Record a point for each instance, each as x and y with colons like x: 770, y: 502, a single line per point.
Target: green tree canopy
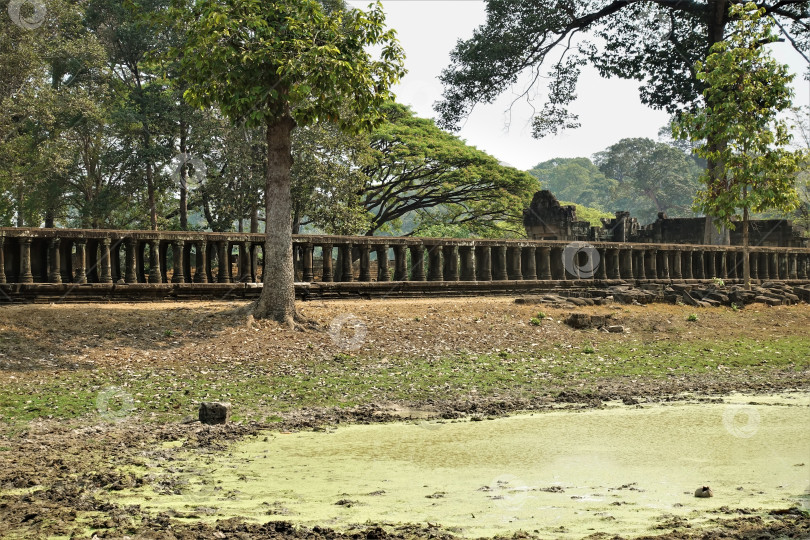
x: 415, y: 166
x: 656, y: 42
x: 278, y: 65
x: 577, y: 180
x: 746, y: 89
x: 649, y: 178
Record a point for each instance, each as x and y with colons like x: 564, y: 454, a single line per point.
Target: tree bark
x: 277, y: 300
x: 184, y: 177
x: 150, y: 190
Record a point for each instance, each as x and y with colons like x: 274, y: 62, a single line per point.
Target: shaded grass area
x: 262, y: 390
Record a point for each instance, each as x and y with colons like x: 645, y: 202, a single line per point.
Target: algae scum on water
x: 619, y: 470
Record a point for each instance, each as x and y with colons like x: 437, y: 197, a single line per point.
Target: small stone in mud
x: 437, y: 495
x: 704, y: 492
x: 214, y: 412
x: 346, y: 502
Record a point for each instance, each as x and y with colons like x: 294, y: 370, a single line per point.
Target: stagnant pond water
x: 565, y: 474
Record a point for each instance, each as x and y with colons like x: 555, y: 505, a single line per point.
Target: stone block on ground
x: 214, y: 412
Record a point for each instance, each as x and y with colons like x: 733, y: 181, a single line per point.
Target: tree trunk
x: 716, y: 14
x: 20, y: 218
x: 254, y: 219
x: 277, y: 300
x: 150, y: 190
x: 184, y: 177
x: 746, y: 253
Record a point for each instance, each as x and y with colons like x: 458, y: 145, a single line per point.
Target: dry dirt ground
x: 85, y: 389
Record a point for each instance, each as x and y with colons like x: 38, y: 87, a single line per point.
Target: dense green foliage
x: 656, y: 42
x: 746, y: 89
x: 640, y: 176
x: 96, y: 134
x: 575, y: 179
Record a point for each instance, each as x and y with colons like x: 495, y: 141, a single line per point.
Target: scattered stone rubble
x: 696, y: 295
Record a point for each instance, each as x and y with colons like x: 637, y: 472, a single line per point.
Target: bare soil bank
x: 53, y: 468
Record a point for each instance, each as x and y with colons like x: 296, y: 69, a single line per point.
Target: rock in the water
x: 214, y: 413
x: 704, y: 492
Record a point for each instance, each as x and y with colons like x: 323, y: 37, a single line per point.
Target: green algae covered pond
x: 627, y: 470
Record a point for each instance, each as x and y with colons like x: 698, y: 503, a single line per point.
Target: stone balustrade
x: 69, y: 256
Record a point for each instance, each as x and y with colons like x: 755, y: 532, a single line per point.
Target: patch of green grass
x: 264, y: 392
x: 692, y: 317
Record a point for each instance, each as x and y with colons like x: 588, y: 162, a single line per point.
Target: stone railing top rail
x: 320, y: 239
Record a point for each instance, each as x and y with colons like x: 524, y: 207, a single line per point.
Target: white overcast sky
x: 609, y: 110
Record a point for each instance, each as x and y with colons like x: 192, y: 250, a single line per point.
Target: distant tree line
x: 95, y: 133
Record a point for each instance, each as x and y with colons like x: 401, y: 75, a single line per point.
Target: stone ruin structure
x: 547, y: 219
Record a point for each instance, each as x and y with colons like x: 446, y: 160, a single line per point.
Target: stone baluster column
x: 776, y: 272
x: 201, y: 262
x: 677, y: 264
x: 54, y: 264
x: 499, y: 271
x: 544, y: 263
x: 663, y: 272
x: 711, y: 264
x: 640, y: 262
x: 600, y: 272
x: 450, y: 256
x: 328, y: 273
x: 625, y: 261
x: 224, y: 261
x: 483, y: 263
x: 802, y: 264
x: 435, y: 270
x: 154, y: 262
x: 347, y: 271
x: 130, y: 261
x: 365, y: 262
x: 467, y: 259
x: 793, y: 271
x: 614, y: 264
x: 106, y: 269
x: 753, y: 260
x: 529, y: 263
x: 2, y: 259
x: 558, y: 264
x: 783, y: 266
x: 254, y: 262
x: 723, y: 264
x: 686, y: 263
x: 245, y: 263
x: 697, y: 264
x: 513, y: 270
x: 417, y: 262
x: 764, y: 266
x: 25, y: 261
x: 400, y: 263
x: 652, y: 270
x: 178, y: 247
x: 80, y: 272
x: 732, y: 263
x: 309, y: 271
x: 383, y: 273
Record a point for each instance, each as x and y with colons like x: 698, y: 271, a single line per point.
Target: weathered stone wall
x: 546, y: 219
